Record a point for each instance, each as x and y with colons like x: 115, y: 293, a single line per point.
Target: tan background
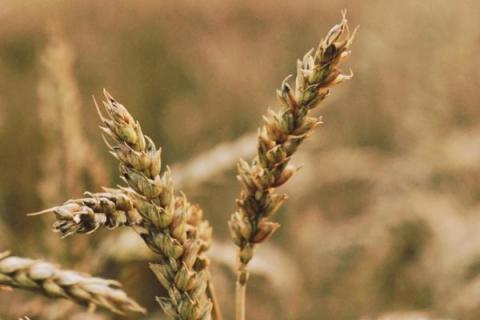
x: 384, y: 216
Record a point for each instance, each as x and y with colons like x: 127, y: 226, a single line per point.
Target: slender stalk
x: 241, y: 292
x: 217, y: 312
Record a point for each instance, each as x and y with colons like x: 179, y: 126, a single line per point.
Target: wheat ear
x: 54, y: 282
x: 110, y: 209
x: 165, y: 223
x: 278, y: 139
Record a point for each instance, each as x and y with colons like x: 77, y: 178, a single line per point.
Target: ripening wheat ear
x: 109, y: 209
x: 171, y: 226
x: 54, y: 282
x: 278, y: 140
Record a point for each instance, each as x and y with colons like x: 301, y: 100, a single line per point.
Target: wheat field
x: 383, y: 207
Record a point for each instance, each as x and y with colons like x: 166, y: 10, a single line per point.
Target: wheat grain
x: 50, y: 280
x: 278, y: 140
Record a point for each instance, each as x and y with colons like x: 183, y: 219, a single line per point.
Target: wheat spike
x: 278, y: 139
x: 170, y: 225
x: 50, y: 280
x: 110, y: 209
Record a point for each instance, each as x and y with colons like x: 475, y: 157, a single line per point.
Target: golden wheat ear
x: 54, y: 282
x: 170, y: 226
x: 278, y: 139
x: 110, y: 209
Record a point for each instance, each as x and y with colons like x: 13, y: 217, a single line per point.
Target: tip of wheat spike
x: 107, y: 95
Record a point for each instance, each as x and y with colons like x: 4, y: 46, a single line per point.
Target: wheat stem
x: 212, y: 294
x: 50, y: 280
x: 241, y: 292
x: 278, y: 139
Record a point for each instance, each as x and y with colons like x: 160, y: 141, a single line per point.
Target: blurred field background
x: 383, y: 219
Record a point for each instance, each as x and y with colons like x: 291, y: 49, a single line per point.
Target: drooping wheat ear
x: 54, y: 282
x: 110, y: 209
x: 165, y: 226
x: 278, y: 140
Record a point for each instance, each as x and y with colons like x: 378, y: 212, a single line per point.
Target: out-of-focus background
x: 382, y: 221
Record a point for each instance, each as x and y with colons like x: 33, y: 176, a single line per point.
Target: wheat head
x: 52, y: 281
x: 280, y: 137
x: 110, y: 209
x: 170, y: 226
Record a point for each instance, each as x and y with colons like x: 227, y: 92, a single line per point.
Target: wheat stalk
x: 50, y: 280
x: 278, y: 140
